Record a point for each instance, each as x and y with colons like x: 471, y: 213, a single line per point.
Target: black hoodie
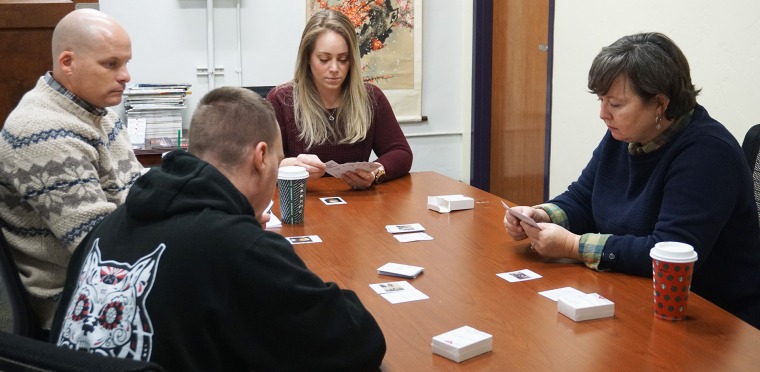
x: 183, y: 275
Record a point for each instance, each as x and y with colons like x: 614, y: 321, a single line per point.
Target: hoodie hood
x: 183, y: 184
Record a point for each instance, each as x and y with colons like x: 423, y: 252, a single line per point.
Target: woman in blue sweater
x: 664, y: 171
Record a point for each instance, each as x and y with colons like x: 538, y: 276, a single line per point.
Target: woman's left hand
x: 359, y: 179
x: 553, y: 241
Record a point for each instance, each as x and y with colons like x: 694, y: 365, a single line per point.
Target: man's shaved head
x: 90, y: 54
x: 84, y: 29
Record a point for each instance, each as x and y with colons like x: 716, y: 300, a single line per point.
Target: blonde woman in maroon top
x: 328, y: 113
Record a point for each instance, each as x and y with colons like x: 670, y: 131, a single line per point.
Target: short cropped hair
x: 227, y: 122
x: 654, y: 65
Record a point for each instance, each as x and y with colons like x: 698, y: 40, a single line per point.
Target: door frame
x: 480, y: 153
x: 482, y: 47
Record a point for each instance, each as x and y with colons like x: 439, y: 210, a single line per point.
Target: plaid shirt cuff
x: 556, y: 214
x: 590, y: 249
x: 590, y: 246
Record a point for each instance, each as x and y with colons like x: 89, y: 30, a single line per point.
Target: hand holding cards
x: 521, y: 216
x: 336, y: 170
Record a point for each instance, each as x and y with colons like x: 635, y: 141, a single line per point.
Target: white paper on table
x: 273, y: 222
x: 519, y: 275
x: 556, y: 294
x: 413, y: 237
x: 404, y: 228
x: 398, y: 292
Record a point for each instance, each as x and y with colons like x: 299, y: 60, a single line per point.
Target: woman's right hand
x: 512, y: 223
x: 311, y: 163
x: 549, y: 240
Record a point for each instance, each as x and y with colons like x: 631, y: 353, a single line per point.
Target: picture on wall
x: 390, y: 45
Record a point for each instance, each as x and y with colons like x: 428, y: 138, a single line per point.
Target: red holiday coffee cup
x: 672, y: 269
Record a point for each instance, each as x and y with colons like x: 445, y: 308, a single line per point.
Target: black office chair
x: 19, y: 353
x: 262, y: 90
x: 751, y: 147
x: 15, y: 311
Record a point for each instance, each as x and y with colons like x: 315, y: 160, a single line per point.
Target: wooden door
x: 26, y: 30
x: 519, y: 109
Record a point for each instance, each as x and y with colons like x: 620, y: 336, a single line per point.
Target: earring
x: 658, y: 126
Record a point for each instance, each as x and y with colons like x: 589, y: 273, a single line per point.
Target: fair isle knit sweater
x: 62, y: 169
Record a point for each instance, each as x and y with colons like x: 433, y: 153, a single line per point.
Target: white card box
x: 462, y: 343
x: 586, y: 307
x: 448, y: 203
x: 400, y: 270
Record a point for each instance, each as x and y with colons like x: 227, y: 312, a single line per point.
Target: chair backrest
x: 262, y: 90
x: 751, y: 147
x: 15, y: 312
x: 19, y: 353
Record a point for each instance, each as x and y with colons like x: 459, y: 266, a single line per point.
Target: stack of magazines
x: 157, y: 107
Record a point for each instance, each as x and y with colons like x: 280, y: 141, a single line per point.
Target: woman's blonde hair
x: 353, y: 116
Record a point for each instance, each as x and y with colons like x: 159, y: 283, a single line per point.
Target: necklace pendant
x: 331, y: 114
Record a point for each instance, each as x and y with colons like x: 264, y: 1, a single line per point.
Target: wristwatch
x: 380, y: 175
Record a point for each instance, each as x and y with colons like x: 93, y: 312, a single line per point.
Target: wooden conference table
x: 151, y: 157
x: 469, y: 248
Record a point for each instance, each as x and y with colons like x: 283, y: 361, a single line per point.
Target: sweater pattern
x: 63, y: 168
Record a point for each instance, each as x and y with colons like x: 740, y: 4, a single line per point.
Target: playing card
x: 332, y: 200
x: 520, y: 216
x: 398, y: 292
x: 406, y: 228
x: 556, y: 294
x: 273, y: 222
x: 306, y: 239
x: 336, y: 170
x: 413, y: 237
x: 519, y: 275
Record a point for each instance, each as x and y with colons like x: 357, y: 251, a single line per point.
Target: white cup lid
x: 292, y: 172
x: 675, y: 252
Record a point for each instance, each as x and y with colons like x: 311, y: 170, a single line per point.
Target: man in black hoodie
x: 183, y: 274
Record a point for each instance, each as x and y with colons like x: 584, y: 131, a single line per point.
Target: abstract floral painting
x: 389, y: 44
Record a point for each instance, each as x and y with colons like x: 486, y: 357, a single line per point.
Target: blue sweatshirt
x: 697, y: 189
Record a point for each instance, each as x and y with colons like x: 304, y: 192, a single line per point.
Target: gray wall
x: 719, y: 38
x: 169, y: 41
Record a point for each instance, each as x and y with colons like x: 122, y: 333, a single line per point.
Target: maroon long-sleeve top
x: 384, y: 137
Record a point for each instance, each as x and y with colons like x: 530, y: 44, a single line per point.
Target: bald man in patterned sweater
x: 65, y: 159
